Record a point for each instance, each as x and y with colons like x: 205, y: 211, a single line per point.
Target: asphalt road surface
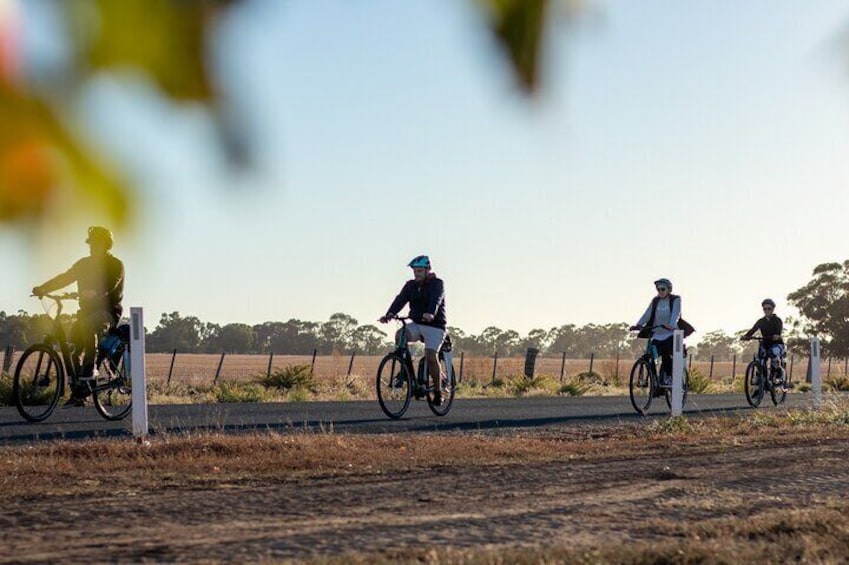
x: 366, y: 416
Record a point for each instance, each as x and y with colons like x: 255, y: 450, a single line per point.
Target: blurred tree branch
x: 44, y: 163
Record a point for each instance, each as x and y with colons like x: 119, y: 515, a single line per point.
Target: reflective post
x: 677, y: 372
x: 138, y: 376
x: 816, y: 380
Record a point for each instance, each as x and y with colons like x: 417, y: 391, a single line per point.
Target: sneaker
x: 666, y: 380
x: 437, y: 398
x: 398, y: 381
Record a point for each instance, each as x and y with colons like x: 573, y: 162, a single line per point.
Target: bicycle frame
x: 58, y: 337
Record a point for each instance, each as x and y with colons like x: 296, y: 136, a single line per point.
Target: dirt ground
x: 756, y: 495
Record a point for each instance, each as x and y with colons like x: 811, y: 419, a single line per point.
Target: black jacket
x: 102, y: 274
x: 768, y: 329
x: 426, y: 297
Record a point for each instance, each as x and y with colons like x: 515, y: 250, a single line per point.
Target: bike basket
x: 110, y: 344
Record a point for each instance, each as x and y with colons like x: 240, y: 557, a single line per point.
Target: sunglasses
x: 662, y: 289
x: 768, y: 308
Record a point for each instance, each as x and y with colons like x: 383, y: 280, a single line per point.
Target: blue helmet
x: 422, y: 261
x: 666, y: 282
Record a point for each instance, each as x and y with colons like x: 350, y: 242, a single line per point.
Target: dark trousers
x: 84, y: 334
x: 664, y: 349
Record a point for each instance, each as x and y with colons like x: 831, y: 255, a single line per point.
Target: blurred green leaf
x: 518, y: 26
x: 167, y: 39
x: 42, y: 165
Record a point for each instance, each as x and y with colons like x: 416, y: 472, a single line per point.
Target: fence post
x: 218, y: 371
x: 710, y: 376
x: 270, y: 360
x: 7, y: 358
x: 790, y: 375
x: 828, y: 370
x: 562, y: 366
x: 690, y: 362
x: 351, y: 363
x: 171, y: 368
x: 592, y: 359
x: 530, y: 361
x: 734, y: 367
x: 814, y: 372
x: 462, y: 358
x: 845, y: 366
x: 312, y: 365
x: 494, y: 364
x: 617, y: 366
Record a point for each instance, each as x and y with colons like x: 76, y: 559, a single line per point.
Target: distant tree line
x: 823, y: 304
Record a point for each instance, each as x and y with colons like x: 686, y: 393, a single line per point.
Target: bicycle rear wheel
x: 754, y: 384
x: 394, y: 386
x: 777, y: 390
x: 113, y: 399
x: 641, y: 386
x: 447, y: 388
x: 38, y: 382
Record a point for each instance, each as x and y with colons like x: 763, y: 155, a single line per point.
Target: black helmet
x: 768, y: 302
x: 98, y: 233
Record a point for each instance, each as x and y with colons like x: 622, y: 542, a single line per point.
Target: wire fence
x: 206, y: 368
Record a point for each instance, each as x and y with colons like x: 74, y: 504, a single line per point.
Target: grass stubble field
x: 766, y: 487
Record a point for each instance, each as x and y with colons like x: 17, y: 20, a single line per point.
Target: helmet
x: 665, y: 282
x: 422, y: 261
x: 98, y: 233
x: 768, y: 302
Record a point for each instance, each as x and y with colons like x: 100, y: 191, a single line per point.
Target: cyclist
x: 663, y: 314
x: 770, y: 327
x: 425, y: 294
x: 100, y: 283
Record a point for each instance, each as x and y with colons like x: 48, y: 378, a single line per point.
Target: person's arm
x: 675, y: 315
x: 116, y: 277
x: 57, y: 282
x: 399, y: 302
x: 644, y: 319
x: 752, y: 331
x: 780, y: 328
x: 435, y: 297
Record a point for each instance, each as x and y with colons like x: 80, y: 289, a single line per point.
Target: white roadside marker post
x: 138, y: 377
x: 677, y: 372
x: 816, y: 379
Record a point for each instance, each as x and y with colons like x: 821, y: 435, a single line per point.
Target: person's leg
x: 90, y: 327
x: 433, y: 338
x: 664, y: 348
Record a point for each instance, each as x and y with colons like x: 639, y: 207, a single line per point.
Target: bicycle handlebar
x: 60, y: 297
x: 640, y: 328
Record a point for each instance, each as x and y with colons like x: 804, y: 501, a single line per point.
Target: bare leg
x: 433, y: 370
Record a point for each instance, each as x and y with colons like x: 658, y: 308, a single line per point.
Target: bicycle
x: 645, y: 385
x: 396, y: 384
x: 760, y: 378
x: 42, y: 370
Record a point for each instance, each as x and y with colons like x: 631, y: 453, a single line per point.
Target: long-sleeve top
x: 425, y: 297
x: 666, y: 314
x: 769, y: 327
x: 104, y: 275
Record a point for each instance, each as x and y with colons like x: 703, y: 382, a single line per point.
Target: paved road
x: 366, y: 417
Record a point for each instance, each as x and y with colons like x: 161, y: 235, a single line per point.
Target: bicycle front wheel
x: 38, y: 382
x: 641, y: 386
x: 447, y: 388
x: 777, y: 390
x: 754, y: 384
x: 113, y: 399
x: 394, y: 386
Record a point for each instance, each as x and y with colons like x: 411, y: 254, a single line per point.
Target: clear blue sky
x: 702, y: 141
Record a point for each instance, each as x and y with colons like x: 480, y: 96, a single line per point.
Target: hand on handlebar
x: 635, y: 328
x: 427, y: 317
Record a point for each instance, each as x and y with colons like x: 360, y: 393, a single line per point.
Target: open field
x: 767, y: 487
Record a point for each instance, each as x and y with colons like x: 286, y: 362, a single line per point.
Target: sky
x: 701, y: 141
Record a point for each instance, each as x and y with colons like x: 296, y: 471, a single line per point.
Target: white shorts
x: 431, y: 336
